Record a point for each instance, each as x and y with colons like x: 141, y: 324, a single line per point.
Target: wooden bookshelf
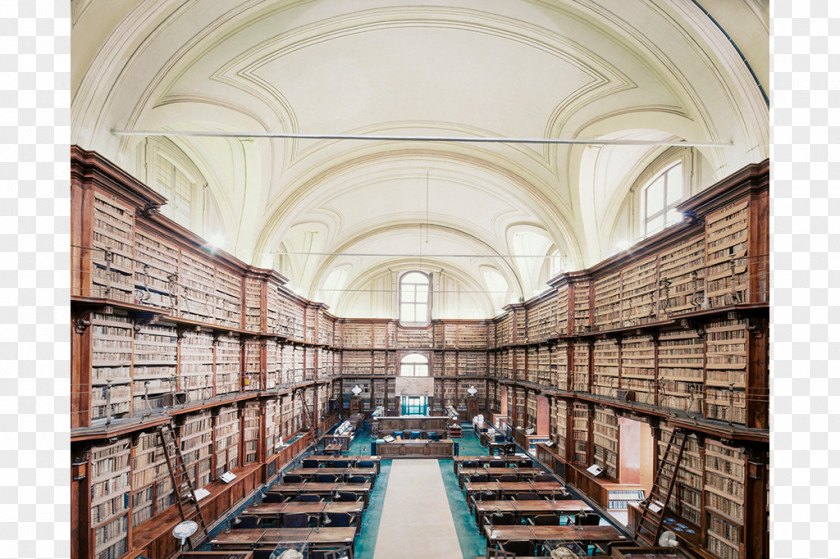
x: 150, y: 484
x: 682, y: 277
x: 414, y: 338
x: 581, y: 357
x: 196, y: 438
x: 726, y: 363
x: 727, y: 255
x: 560, y: 416
x: 196, y: 365
x: 580, y: 433
x: 251, y: 431
x: 155, y: 358
x: 228, y: 309
x: 112, y: 261
x: 559, y: 365
x: 155, y: 271
x: 638, y: 292
x: 605, y: 441
x: 606, y: 313
x: 582, y: 307
x: 561, y: 310
x: 472, y: 336
x: 680, y: 361
x: 605, y: 361
x: 195, y: 276
x: 638, y: 368
x: 111, y: 359
x: 110, y: 487
x: 228, y: 364
x: 724, y: 500
x: 253, y: 304
x: 226, y: 440
x: 686, y: 499
x: 253, y: 364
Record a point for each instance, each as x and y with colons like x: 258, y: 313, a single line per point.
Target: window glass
x: 660, y: 198
x: 414, y: 298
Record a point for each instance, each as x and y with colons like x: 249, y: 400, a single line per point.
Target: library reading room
x: 391, y: 279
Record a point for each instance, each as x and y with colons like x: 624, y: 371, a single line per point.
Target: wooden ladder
x: 654, y: 507
x: 307, y: 419
x: 181, y: 483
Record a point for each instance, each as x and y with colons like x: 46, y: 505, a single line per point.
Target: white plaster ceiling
x: 619, y: 69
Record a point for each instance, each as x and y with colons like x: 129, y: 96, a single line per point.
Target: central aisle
x: 416, y: 519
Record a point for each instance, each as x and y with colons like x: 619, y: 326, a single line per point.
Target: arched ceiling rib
x: 517, y: 68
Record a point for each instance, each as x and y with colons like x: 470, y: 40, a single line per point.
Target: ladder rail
x: 652, y: 520
x: 167, y: 437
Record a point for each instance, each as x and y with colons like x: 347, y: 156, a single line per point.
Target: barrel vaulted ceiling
x: 348, y: 215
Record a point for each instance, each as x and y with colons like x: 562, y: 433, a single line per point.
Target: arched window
x: 414, y: 365
x: 660, y: 198
x: 414, y: 299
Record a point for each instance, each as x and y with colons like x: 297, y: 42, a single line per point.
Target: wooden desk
x: 276, y: 510
x: 323, y: 489
x: 213, y: 555
x: 333, y: 449
x: 648, y: 553
x: 269, y: 538
x: 352, y: 460
x: 418, y: 448
x: 529, y: 508
x: 386, y: 425
x: 485, y: 459
x: 554, y: 534
x: 342, y: 440
x: 309, y: 473
x: 513, y: 487
x: 521, y: 473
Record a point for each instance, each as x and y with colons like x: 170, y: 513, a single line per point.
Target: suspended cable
x: 448, y: 139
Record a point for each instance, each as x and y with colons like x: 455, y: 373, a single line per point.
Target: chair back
x: 356, y: 479
x: 341, y: 464
x: 497, y: 464
x: 505, y: 519
x: 340, y: 519
x: 296, y: 520
x: 309, y: 464
x: 292, y: 478
x: 347, y: 497
x: 507, y: 477
x: 245, y: 523
x: 546, y: 520
x: 365, y: 464
x: 587, y: 519
x: 308, y: 498
x: 479, y: 478
x: 325, y: 478
x: 519, y: 547
x: 273, y: 498
x: 527, y: 497
x: 337, y: 553
x: 543, y: 477
x: 469, y: 464
x: 500, y: 554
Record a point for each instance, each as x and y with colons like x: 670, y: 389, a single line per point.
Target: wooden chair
x: 308, y: 498
x: 500, y: 553
x: 244, y: 523
x: 519, y: 547
x: 526, y: 497
x: 336, y: 553
x: 301, y: 520
x: 506, y: 478
x: 544, y: 520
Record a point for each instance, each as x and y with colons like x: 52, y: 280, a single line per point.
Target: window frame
x: 428, y: 304
x: 666, y: 208
x: 426, y: 363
